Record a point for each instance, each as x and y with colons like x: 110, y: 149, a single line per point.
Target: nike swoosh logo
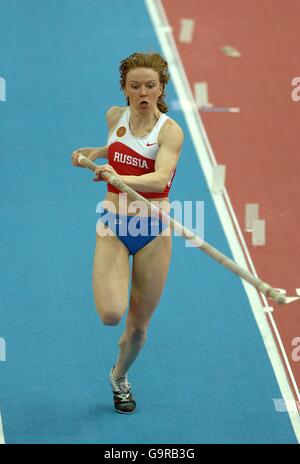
x: 150, y: 144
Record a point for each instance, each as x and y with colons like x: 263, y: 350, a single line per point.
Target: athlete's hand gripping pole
x: 199, y: 243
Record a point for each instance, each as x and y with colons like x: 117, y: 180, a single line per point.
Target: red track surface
x: 260, y: 146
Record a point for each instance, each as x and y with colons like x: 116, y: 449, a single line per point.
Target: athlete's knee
x: 111, y: 314
x: 138, y: 334
x: 110, y: 318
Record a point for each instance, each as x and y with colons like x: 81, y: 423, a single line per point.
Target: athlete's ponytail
x: 147, y: 60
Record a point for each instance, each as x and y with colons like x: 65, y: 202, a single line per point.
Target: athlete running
x: 143, y: 149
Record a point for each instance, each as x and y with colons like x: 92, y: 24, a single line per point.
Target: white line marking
x: 201, y: 94
x: 259, y: 232
x: 224, y: 208
x: 267, y: 309
x: 2, y: 89
x: 218, y: 109
x: 2, y: 441
x: 290, y: 299
x: 186, y: 30
x: 251, y: 213
x: 218, y: 180
x: 2, y: 359
x: 229, y: 50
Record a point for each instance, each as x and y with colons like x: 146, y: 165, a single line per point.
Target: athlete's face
x: 143, y: 88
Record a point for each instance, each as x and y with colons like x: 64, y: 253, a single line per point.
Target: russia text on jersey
x: 130, y: 160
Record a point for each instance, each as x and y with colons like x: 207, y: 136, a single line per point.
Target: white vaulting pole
x: 197, y: 242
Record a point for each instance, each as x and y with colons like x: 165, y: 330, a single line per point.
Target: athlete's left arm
x: 170, y: 141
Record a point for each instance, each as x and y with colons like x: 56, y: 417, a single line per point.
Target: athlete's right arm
x: 90, y: 153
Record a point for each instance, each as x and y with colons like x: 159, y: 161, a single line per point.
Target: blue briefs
x: 134, y: 231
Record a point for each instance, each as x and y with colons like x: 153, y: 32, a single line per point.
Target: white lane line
x: 207, y: 161
x: 2, y: 441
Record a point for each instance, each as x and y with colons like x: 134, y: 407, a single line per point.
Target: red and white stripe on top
x: 132, y: 156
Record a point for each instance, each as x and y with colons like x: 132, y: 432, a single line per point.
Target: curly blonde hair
x: 147, y: 60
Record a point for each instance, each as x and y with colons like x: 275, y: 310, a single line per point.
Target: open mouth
x: 144, y: 104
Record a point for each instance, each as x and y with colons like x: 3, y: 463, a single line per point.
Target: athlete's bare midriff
x: 112, y: 203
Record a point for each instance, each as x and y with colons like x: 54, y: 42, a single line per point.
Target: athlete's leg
x: 110, y: 277
x: 149, y: 273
